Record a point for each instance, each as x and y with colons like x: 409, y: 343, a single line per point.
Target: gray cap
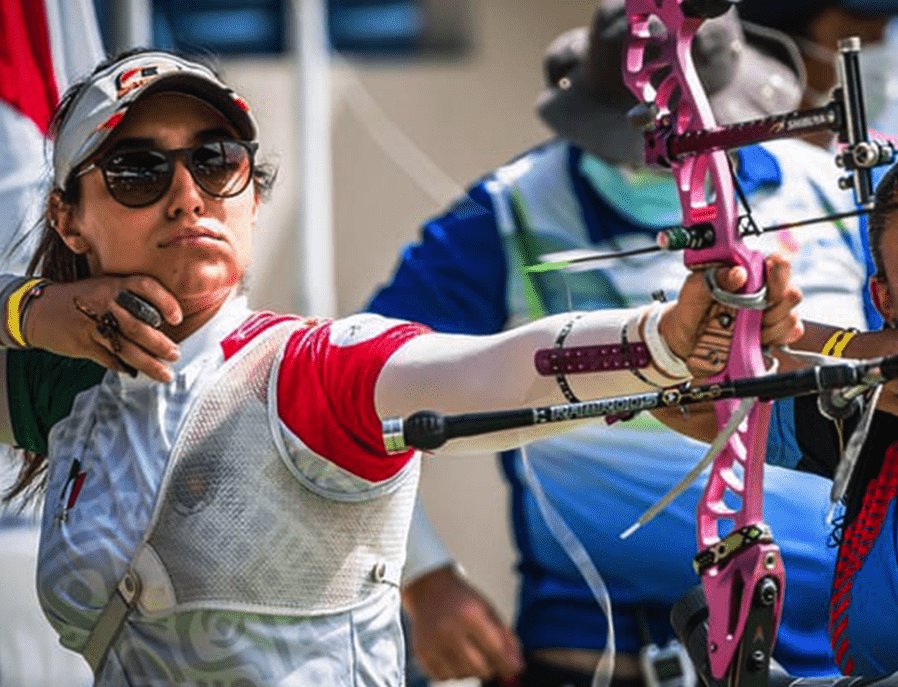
x: 748, y: 71
x: 104, y: 100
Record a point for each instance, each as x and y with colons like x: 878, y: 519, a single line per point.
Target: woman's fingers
x: 151, y: 340
x: 781, y: 324
x: 83, y: 320
x: 103, y: 356
x: 134, y: 356
x: 731, y: 278
x: 684, y: 323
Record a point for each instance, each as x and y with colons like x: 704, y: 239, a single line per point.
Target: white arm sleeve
x: 426, y: 551
x: 456, y: 374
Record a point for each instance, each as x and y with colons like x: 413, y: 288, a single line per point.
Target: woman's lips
x: 201, y: 233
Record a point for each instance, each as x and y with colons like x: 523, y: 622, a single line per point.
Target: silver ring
x: 139, y: 308
x: 741, y: 301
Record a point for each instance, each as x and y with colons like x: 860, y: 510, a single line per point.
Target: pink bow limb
x: 658, y: 70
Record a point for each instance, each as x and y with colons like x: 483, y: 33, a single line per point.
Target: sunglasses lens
x: 222, y: 168
x: 137, y: 177
x: 140, y: 177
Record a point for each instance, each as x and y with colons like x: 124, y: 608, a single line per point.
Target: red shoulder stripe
x: 325, y: 397
x: 254, y: 325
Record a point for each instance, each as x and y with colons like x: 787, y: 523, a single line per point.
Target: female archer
x: 219, y: 505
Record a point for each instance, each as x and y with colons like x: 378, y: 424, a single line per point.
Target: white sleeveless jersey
x: 258, y: 466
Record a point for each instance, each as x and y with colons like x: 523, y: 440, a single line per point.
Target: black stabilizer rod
x: 428, y: 429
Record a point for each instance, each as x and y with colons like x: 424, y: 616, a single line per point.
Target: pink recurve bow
x: 742, y: 574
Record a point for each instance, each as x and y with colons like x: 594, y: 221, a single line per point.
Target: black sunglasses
x: 138, y: 177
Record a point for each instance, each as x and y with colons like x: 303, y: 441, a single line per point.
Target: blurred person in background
x: 882, y: 95
x: 47, y: 44
x: 589, y: 189
x: 817, y: 26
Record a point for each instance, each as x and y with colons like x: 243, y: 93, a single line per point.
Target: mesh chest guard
x: 234, y: 529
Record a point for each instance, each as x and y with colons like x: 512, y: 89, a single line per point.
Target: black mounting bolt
x: 767, y: 592
x: 757, y: 660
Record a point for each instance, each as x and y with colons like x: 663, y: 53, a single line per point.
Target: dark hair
x: 792, y: 17
x: 54, y: 260
x: 885, y: 207
x: 52, y: 257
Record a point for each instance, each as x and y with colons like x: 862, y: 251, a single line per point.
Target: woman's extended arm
x: 454, y: 374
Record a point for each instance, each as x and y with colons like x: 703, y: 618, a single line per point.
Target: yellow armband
x: 835, y: 345
x: 15, y: 306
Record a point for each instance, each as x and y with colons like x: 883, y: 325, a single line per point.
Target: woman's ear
x: 882, y: 299
x: 61, y: 218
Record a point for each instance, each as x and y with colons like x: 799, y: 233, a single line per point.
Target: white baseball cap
x: 103, y: 102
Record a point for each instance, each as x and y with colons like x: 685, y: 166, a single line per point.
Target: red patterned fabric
x: 27, y: 80
x: 857, y: 540
x: 251, y: 328
x: 325, y: 396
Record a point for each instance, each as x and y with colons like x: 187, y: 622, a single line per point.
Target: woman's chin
x: 199, y: 302
x: 200, y: 293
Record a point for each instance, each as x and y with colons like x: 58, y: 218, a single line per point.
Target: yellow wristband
x: 835, y: 345
x: 13, y: 315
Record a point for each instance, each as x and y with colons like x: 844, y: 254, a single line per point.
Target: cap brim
x: 104, y: 100
x: 761, y: 88
x: 598, y: 127
x: 221, y: 99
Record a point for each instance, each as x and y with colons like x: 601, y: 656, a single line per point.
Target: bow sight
x: 844, y: 114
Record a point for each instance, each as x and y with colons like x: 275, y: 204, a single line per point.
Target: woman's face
x: 198, y: 246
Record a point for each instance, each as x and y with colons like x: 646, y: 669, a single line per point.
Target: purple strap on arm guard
x: 598, y: 358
